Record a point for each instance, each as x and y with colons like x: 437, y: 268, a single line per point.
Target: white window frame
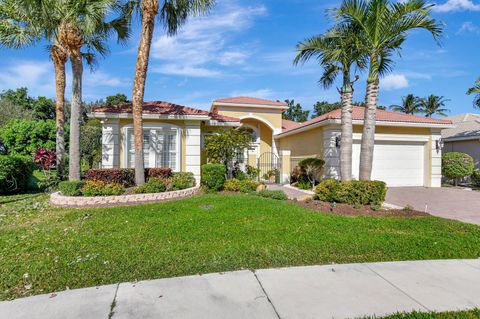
x: 128, y: 129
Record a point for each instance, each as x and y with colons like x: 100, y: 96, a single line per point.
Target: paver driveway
x: 452, y: 203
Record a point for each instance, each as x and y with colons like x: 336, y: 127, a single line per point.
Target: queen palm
x: 173, y: 14
x: 384, y: 28
x: 410, y: 105
x: 337, y: 51
x: 475, y: 90
x: 434, y: 105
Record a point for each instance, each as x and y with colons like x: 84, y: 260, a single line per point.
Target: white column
x: 331, y: 154
x: 286, y: 166
x: 110, y: 144
x: 435, y: 161
x: 193, y: 151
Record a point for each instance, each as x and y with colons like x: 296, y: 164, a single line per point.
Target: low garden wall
x: 58, y: 199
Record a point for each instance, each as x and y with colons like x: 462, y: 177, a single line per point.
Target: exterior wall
x: 331, y: 153
x: 273, y: 117
x: 110, y: 144
x: 435, y: 178
x: 192, y: 150
x: 304, y: 144
x: 471, y: 147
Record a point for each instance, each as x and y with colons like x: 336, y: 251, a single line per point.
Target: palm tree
x: 434, y: 104
x: 20, y: 28
x: 337, y: 51
x: 410, y: 105
x: 173, y: 14
x: 384, y: 28
x: 475, y: 90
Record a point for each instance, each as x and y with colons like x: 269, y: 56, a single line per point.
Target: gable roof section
x: 288, y: 125
x: 164, y: 108
x: 249, y: 101
x: 382, y: 116
x: 467, y: 126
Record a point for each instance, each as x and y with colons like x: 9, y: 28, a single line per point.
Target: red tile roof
x: 288, y: 125
x: 250, y: 100
x: 382, y: 116
x: 163, y: 108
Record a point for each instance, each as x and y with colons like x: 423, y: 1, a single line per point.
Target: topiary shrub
x: 15, y: 173
x: 153, y: 185
x: 456, y: 165
x: 352, y: 192
x: 99, y: 188
x: 476, y: 178
x: 213, y: 177
x: 273, y: 194
x: 182, y: 180
x: 71, y: 188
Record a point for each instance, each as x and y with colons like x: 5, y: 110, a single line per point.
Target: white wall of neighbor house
x: 193, y: 150
x: 110, y: 143
x: 435, y: 157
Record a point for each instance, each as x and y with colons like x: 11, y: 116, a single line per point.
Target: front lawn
x: 45, y: 249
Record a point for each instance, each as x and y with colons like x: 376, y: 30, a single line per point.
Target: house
x: 464, y: 136
x: 407, y: 148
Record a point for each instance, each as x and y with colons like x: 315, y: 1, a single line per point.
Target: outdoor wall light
x: 439, y: 144
x: 338, y: 141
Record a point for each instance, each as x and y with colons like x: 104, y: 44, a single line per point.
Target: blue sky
x: 247, y: 48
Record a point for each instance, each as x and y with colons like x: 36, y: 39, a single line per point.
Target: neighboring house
x: 464, y: 137
x: 407, y: 151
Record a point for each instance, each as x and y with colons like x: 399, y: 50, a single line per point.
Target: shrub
x: 71, y: 188
x: 232, y: 185
x: 476, y: 178
x: 252, y: 172
x: 244, y: 186
x: 352, y: 192
x: 313, y: 168
x: 298, y: 174
x: 157, y: 173
x: 153, y: 185
x: 182, y: 180
x: 15, y: 173
x: 213, y: 176
x: 126, y: 176
x: 304, y: 184
x: 456, y: 165
x: 99, y: 188
x: 273, y: 194
x: 27, y: 136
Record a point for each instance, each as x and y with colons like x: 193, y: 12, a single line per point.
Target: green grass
x: 467, y: 314
x: 45, y: 249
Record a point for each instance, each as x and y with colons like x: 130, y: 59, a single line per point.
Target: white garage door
x: 396, y: 163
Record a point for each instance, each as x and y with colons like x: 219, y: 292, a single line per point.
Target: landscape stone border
x: 58, y: 199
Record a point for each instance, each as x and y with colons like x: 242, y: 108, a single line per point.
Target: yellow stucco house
x: 407, y: 148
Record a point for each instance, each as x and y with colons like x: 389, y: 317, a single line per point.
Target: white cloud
x: 394, y: 82
x: 468, y: 26
x: 457, y: 5
x: 204, y: 42
x: 260, y: 93
x: 100, y: 78
x: 36, y: 76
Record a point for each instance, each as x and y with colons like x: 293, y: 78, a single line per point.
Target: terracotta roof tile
x: 250, y: 100
x: 288, y: 125
x: 163, y: 108
x: 382, y: 116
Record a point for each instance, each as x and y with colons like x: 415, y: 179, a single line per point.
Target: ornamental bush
x: 213, y: 177
x: 456, y: 165
x: 153, y: 185
x: 275, y: 194
x: 71, y: 188
x: 182, y: 180
x: 157, y: 173
x: 352, y: 192
x: 15, y: 173
x: 99, y: 188
x: 313, y: 168
x: 125, y: 176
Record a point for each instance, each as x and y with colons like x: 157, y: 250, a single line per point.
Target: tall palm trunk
x: 76, y: 115
x: 368, y: 136
x: 149, y: 12
x: 59, y: 58
x: 347, y: 132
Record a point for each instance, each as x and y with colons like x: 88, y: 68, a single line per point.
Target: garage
x: 395, y: 163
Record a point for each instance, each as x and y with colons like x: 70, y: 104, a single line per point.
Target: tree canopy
x: 295, y: 112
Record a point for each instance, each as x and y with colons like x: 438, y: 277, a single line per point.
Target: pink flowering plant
x: 46, y: 160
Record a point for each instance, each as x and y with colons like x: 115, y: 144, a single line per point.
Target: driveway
x: 452, y: 203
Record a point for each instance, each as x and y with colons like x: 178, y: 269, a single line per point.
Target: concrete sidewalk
x: 330, y: 291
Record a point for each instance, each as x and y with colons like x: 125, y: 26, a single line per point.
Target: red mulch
x: 349, y: 210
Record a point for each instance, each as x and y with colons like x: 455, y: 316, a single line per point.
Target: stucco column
x: 286, y: 166
x: 192, y: 154
x: 331, y: 153
x: 110, y: 143
x: 435, y: 179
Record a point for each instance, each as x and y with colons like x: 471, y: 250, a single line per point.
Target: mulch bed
x: 349, y: 210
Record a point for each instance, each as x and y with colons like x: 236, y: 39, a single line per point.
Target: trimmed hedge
x: 99, y: 188
x: 275, y: 194
x: 71, y: 188
x: 213, y: 176
x: 15, y: 173
x: 457, y: 165
x: 126, y: 176
x: 353, y: 192
x: 244, y: 186
x: 182, y: 180
x: 153, y: 185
